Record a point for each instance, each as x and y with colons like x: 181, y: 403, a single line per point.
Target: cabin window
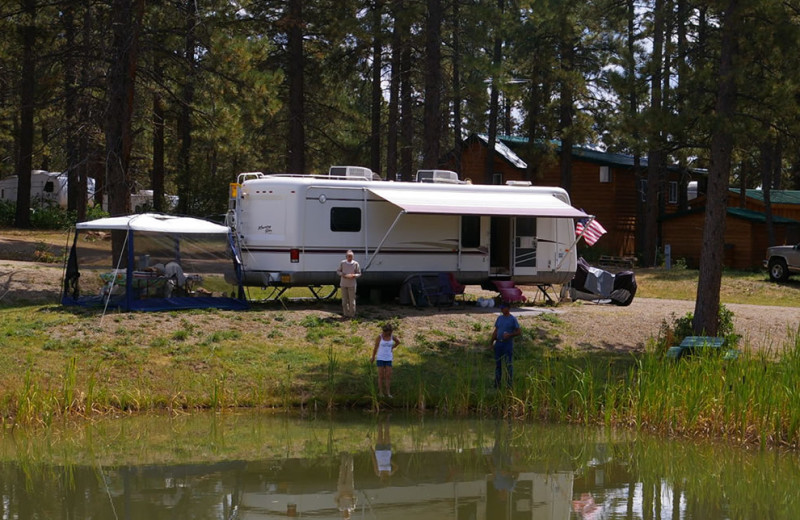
x: 48, y: 187
x: 346, y: 219
x: 470, y: 231
x: 605, y: 174
x: 497, y: 178
x: 673, y: 192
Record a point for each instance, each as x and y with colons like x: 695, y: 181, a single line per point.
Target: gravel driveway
x: 628, y: 328
x: 589, y: 325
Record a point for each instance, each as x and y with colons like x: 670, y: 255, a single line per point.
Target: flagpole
x: 591, y: 218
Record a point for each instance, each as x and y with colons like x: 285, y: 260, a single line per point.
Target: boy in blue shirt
x: 506, y: 327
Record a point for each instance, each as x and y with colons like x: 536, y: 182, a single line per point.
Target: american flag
x: 593, y: 230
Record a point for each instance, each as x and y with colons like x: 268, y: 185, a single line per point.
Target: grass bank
x: 748, y: 287
x: 58, y: 363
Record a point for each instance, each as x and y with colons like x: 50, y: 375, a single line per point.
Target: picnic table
x: 693, y: 344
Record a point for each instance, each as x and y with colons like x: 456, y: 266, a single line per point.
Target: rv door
x: 525, y: 243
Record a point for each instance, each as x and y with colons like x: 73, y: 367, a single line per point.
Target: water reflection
x: 263, y: 467
x: 346, y: 500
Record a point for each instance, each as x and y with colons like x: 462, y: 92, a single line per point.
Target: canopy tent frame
x: 176, y: 228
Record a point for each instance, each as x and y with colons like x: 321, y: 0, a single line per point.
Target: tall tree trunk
x: 456, y: 64
x: 433, y: 84
x: 119, y: 112
x: 633, y: 114
x: 706, y: 311
x: 766, y: 150
x: 44, y: 161
x: 85, y: 113
x: 743, y: 178
x: 377, y: 88
x: 126, y: 17
x: 777, y: 164
x: 406, y: 108
x: 22, y: 218
x: 185, y: 194
x: 566, y: 109
x: 157, y: 174
x: 394, y: 93
x: 295, y: 66
x: 494, y: 95
x: 535, y: 103
x: 74, y: 200
x: 655, y: 154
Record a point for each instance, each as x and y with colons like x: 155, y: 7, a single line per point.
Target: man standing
x: 348, y: 272
x: 506, y: 327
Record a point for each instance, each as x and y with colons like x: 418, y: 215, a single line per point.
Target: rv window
x: 48, y: 187
x: 526, y: 227
x: 346, y: 219
x: 470, y: 231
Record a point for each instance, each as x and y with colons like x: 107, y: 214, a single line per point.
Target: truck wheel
x: 778, y: 272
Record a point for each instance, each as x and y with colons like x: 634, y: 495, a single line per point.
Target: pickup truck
x: 782, y: 261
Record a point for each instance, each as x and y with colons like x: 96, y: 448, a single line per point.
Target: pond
x: 260, y: 466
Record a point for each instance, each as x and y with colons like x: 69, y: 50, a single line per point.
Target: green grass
x: 737, y: 287
x: 56, y: 362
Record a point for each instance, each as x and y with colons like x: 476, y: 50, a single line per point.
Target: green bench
x: 690, y: 344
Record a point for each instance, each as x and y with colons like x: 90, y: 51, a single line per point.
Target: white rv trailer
x: 293, y: 230
x: 51, y: 188
x: 46, y: 187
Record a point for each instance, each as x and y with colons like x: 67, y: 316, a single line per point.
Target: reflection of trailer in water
x: 535, y: 496
x: 294, y: 229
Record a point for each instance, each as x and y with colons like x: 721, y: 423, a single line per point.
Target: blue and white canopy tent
x: 162, y: 262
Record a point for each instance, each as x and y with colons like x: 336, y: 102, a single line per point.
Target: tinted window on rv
x: 346, y: 219
x: 470, y: 231
x: 48, y: 187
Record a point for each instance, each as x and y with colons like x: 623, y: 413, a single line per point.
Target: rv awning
x: 517, y: 202
x: 155, y: 223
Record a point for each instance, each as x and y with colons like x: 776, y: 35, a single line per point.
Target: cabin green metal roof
x: 758, y: 216
x: 581, y: 152
x: 747, y: 214
x: 775, y: 196
x: 507, y: 145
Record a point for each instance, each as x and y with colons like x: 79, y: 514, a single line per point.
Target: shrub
x: 51, y: 217
x: 7, y: 211
x: 94, y: 212
x: 47, y: 215
x: 674, y: 333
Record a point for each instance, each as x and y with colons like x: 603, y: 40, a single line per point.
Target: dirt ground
x: 588, y: 325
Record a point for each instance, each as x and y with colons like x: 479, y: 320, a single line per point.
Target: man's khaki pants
x: 349, y: 301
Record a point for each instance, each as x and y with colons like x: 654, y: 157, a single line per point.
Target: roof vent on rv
x: 519, y: 183
x: 443, y: 176
x: 352, y: 172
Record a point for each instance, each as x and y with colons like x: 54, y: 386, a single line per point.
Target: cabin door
x: 524, y: 260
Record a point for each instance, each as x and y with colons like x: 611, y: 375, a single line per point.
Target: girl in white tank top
x: 385, y: 344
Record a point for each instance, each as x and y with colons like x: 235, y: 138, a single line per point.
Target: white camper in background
x: 46, y: 188
x: 142, y: 201
x: 293, y: 230
x: 51, y: 188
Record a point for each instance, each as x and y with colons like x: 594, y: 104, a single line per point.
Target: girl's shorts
x: 384, y: 363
